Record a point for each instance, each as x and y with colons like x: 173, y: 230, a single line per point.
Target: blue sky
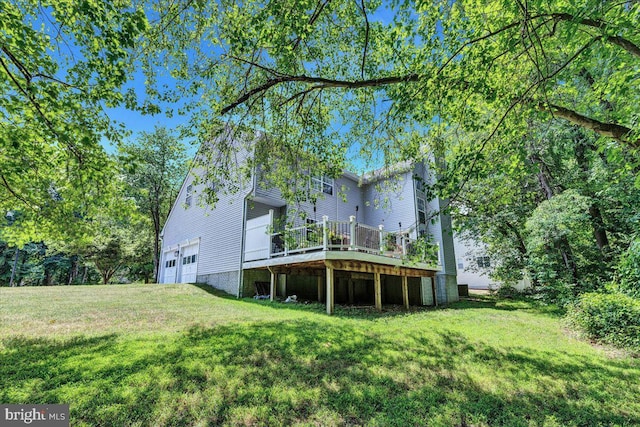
x: 135, y: 122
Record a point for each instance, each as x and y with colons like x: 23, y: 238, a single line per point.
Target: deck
x: 319, y: 249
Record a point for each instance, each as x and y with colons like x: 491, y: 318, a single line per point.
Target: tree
x: 555, y: 207
x: 61, y: 64
x: 154, y: 167
x: 389, y: 79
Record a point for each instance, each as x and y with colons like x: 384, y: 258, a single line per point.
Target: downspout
x: 161, y: 260
x: 178, y: 263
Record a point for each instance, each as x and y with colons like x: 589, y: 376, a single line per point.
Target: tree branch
x: 321, y: 83
x: 611, y: 130
x: 16, y: 195
x: 312, y: 20
x: 626, y: 44
x: 366, y: 39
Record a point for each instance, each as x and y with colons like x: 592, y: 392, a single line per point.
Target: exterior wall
x: 426, y: 291
x: 337, y: 206
x: 257, y: 209
x: 390, y: 202
x: 441, y: 230
x: 226, y: 281
x: 468, y: 271
x: 220, y: 230
x: 446, y: 288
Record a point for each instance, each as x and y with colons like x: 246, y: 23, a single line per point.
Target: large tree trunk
x: 73, y: 272
x: 14, y: 268
x: 544, y: 178
x: 155, y: 214
x: 599, y: 230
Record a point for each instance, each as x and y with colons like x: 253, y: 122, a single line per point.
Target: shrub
x: 628, y: 271
x: 508, y: 291
x: 612, y: 318
x: 556, y: 292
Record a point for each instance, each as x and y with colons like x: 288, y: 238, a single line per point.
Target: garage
x: 170, y: 266
x: 189, y: 263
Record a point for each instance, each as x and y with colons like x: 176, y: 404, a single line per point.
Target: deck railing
x: 351, y: 235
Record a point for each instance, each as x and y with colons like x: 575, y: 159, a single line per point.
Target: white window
x: 189, y: 198
x: 483, y: 261
x: 422, y: 210
x: 189, y: 259
x: 322, y: 184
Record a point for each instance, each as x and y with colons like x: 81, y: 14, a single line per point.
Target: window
x: 190, y: 259
x: 170, y: 263
x: 322, y: 184
x: 422, y: 210
x: 483, y: 261
x: 188, y: 199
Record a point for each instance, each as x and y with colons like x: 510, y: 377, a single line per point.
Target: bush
x: 612, y: 318
x: 556, y: 292
x: 628, y: 271
x: 507, y: 291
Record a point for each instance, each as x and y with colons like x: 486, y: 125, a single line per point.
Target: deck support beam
x: 330, y: 288
x: 272, y: 285
x: 377, y: 290
x: 320, y: 289
x: 405, y: 292
x: 433, y: 290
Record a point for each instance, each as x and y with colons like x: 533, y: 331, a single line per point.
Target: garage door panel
x: 189, y: 264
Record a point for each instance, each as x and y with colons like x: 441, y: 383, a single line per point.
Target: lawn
x: 179, y: 355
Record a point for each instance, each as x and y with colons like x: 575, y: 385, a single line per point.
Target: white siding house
x: 235, y: 246
x: 473, y: 265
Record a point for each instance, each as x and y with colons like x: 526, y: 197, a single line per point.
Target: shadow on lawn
x: 341, y: 310
x: 393, y: 310
x: 283, y: 373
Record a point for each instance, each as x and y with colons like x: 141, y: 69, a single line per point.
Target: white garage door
x: 189, y: 264
x: 170, y: 267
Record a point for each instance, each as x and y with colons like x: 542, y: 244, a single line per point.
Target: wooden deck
x: 323, y: 265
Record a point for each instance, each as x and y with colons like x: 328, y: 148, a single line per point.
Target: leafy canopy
x: 392, y: 81
x: 61, y: 64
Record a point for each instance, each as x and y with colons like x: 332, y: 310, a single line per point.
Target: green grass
x: 178, y: 355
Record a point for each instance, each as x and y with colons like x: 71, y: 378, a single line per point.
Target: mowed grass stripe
x: 161, y: 355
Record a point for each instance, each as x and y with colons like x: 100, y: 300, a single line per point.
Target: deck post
x: 405, y: 292
x: 352, y: 233
x: 283, y: 286
x: 330, y: 288
x: 382, y: 245
x: 433, y: 290
x: 325, y: 232
x: 377, y: 289
x: 272, y: 285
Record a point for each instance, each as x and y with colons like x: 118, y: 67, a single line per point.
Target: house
x: 354, y: 244
x: 473, y: 264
